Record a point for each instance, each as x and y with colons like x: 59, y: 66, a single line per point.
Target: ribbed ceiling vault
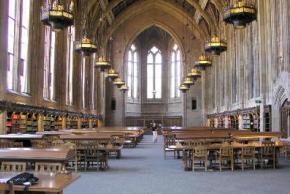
x: 110, y: 14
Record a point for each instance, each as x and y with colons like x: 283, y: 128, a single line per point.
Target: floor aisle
x: 143, y: 170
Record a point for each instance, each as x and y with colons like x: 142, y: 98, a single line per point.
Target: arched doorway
x: 285, y: 118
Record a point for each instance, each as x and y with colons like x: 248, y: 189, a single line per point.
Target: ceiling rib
x: 107, y: 12
x: 197, y: 15
x: 142, y: 5
x: 206, y: 17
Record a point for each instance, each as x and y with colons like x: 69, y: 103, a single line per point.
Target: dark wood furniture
x: 48, y: 183
x: 37, y: 155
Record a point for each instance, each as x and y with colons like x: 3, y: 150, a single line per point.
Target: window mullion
x: 154, y: 66
x: 48, y: 78
x: 16, y: 57
x: 132, y: 74
x: 175, y: 75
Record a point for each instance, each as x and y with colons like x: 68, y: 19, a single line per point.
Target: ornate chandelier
x: 183, y: 88
x: 194, y: 74
x: 118, y: 82
x: 55, y: 15
x: 86, y: 46
x: 203, y: 62
x: 240, y: 13
x: 215, y: 45
x: 112, y: 74
x: 102, y: 64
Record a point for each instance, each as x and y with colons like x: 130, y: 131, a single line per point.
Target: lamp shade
x: 215, y: 45
x: 203, y: 62
x: 183, y: 88
x: 112, y: 74
x: 56, y: 16
x: 194, y: 74
x: 102, y: 64
x: 239, y: 13
x: 85, y: 46
x: 188, y: 81
x: 124, y: 88
x: 118, y: 82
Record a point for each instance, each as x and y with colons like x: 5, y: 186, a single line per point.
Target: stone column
x: 203, y: 90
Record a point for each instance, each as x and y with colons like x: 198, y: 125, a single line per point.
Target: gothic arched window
x: 175, y: 72
x: 132, y: 72
x: 154, y: 73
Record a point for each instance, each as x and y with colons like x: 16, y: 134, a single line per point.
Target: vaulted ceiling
x: 108, y: 15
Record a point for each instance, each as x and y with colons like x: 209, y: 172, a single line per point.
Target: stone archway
x: 125, y: 35
x: 280, y: 95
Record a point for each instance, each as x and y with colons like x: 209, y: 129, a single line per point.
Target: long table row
x: 208, y: 145
x: 69, y: 149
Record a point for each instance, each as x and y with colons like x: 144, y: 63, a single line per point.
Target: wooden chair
x: 10, y: 144
x: 248, y: 153
x: 200, y: 154
x: 225, y: 153
x: 40, y: 144
x: 169, y: 140
x: 95, y: 157
x: 117, y: 140
x: 13, y: 166
x: 284, y: 151
x: 71, y: 146
x: 129, y: 142
x: 57, y: 143
x: 268, y: 155
x: 48, y: 167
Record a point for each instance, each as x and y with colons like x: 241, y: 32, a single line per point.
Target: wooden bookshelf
x: 94, y: 123
x: 31, y: 122
x: 49, y: 123
x: 16, y: 122
x: 234, y: 122
x: 59, y: 123
x: 267, y: 118
x: 211, y: 122
x: 248, y: 121
x: 19, y: 122
x: 9, y: 122
x: 72, y: 123
x: 256, y: 122
x: 221, y: 122
x: 84, y: 123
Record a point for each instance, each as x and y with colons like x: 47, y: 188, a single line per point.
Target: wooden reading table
x: 37, y: 155
x: 48, y: 183
x: 24, y: 138
x: 20, y: 136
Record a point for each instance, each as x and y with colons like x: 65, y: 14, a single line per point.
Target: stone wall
x: 256, y: 59
x: 35, y: 67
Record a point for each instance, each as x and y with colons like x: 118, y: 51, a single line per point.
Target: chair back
x: 248, y: 151
x: 268, y: 148
x: 48, y: 167
x: 226, y: 151
x: 200, y: 151
x: 117, y: 139
x: 169, y: 140
x: 13, y: 166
